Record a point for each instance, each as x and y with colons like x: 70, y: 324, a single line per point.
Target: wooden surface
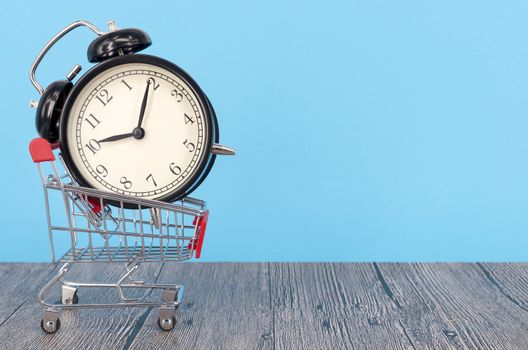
x: 283, y: 306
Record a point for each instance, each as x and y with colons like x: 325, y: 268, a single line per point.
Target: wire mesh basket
x: 86, y: 225
x: 130, y: 229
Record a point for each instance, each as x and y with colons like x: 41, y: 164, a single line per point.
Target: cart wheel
x: 166, y: 324
x: 50, y: 327
x: 69, y: 295
x: 74, y: 300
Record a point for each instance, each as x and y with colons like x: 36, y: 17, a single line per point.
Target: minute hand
x: 143, y: 105
x: 116, y: 137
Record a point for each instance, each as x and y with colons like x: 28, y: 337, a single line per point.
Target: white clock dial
x: 110, y: 151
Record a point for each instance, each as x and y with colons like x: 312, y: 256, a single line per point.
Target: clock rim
x: 210, y: 123
x: 216, y: 139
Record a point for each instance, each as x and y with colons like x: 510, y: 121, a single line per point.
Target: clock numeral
x: 153, y: 82
x: 176, y: 170
x: 188, y: 119
x: 92, y: 120
x: 104, y: 97
x: 93, y: 146
x: 190, y: 146
x: 127, y: 184
x: 152, y: 178
x: 177, y: 94
x: 101, y: 170
x: 126, y: 84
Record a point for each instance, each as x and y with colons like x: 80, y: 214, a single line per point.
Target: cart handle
x: 201, y: 223
x: 41, y: 150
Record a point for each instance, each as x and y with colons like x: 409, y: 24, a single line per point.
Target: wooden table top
x: 283, y: 306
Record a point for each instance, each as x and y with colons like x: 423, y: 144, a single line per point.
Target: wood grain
x: 284, y: 306
x: 226, y: 306
x: 454, y: 306
x: 86, y: 329
x: 511, y: 279
x: 20, y: 283
x: 333, y: 306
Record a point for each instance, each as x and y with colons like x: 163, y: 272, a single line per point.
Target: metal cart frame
x: 97, y: 226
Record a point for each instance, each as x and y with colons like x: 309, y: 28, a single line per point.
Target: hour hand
x: 116, y: 137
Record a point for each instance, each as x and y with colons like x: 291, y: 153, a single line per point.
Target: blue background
x: 365, y: 130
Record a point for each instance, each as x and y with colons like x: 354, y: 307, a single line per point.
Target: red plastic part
x: 40, y: 150
x: 201, y: 223
x: 96, y: 204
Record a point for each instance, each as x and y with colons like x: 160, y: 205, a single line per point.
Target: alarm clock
x: 133, y: 124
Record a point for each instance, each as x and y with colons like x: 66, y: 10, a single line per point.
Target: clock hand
x: 117, y: 137
x: 143, y: 105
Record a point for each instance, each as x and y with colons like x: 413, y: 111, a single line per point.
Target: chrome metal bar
x: 177, y: 234
x: 129, y: 221
x: 148, y: 203
x: 135, y: 232
x: 129, y: 303
x: 119, y: 287
x: 48, y: 215
x: 113, y: 285
x: 63, y: 270
x: 49, y: 45
x: 67, y: 207
x: 160, y: 230
x: 131, y: 234
x: 141, y: 230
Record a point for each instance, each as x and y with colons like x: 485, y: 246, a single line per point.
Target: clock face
x: 138, y: 129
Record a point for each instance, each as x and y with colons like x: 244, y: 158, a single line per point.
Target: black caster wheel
x: 69, y: 295
x: 50, y: 327
x: 166, y: 324
x: 75, y: 299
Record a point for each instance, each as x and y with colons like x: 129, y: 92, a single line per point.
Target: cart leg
x: 131, y: 268
x: 166, y: 318
x: 50, y: 320
x: 69, y: 295
x: 171, y: 298
x: 63, y: 270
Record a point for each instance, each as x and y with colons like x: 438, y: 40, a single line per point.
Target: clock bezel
x: 210, y: 124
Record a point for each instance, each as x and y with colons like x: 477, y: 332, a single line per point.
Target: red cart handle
x: 41, y: 150
x: 201, y: 224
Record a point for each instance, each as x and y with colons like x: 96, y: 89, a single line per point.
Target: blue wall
x: 365, y: 130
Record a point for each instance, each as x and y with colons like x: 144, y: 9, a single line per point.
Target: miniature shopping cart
x: 97, y: 226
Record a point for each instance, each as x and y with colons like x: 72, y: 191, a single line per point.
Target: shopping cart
x: 97, y: 226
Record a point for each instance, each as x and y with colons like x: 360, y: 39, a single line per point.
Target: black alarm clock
x: 134, y: 124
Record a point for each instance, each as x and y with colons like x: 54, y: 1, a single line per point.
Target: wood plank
x: 226, y: 306
x: 15, y: 290
x: 286, y: 306
x: 511, y: 279
x: 333, y: 306
x: 453, y: 306
x: 86, y: 329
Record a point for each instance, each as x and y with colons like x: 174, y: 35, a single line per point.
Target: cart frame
x: 89, y: 230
